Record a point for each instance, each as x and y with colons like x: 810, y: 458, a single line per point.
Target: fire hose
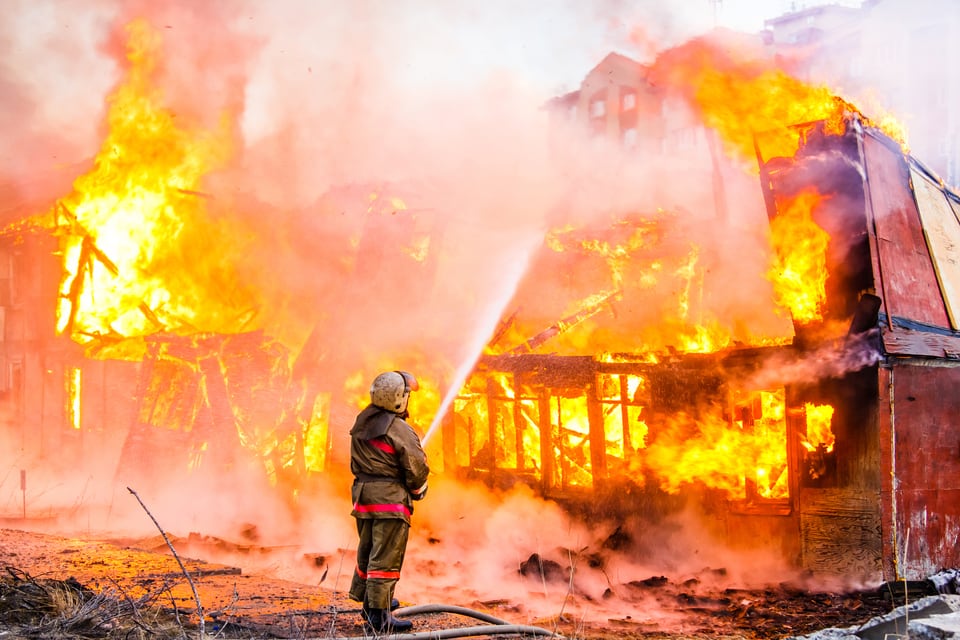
x: 495, y: 626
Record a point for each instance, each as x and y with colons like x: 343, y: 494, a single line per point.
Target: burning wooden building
x: 848, y: 468
x: 833, y: 447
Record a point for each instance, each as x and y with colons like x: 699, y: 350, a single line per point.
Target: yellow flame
x: 747, y: 454
x: 74, y: 388
x: 819, y: 419
x: 799, y: 272
x: 741, y: 96
x: 137, y: 242
x: 316, y: 438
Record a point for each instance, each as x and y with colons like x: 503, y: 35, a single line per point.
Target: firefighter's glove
x: 419, y: 494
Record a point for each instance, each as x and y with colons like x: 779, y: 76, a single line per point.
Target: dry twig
x: 193, y: 587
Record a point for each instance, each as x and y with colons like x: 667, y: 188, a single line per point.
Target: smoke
x: 328, y: 103
x: 472, y: 545
x: 889, y: 61
x: 831, y: 360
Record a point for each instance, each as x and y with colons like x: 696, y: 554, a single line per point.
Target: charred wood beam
x: 546, y: 370
x: 227, y: 441
x: 190, y: 349
x: 87, y: 238
x: 598, y: 439
x: 625, y: 402
x: 503, y: 326
x: 492, y: 416
x: 546, y: 442
x: 74, y: 290
x: 564, y: 325
x: 518, y: 423
x: 90, y: 249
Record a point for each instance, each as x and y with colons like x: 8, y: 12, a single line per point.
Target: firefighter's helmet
x: 391, y: 390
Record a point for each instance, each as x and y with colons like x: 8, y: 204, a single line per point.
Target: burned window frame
x: 545, y: 383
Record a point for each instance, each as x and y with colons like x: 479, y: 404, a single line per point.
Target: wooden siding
x: 924, y: 501
x: 909, y: 282
x: 942, y: 233
x: 905, y: 341
x: 887, y: 514
x: 840, y: 532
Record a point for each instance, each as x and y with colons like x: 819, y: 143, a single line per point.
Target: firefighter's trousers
x: 383, y: 543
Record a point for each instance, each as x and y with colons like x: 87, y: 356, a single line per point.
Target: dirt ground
x: 242, y: 604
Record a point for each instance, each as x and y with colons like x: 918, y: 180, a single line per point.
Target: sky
x: 553, y: 43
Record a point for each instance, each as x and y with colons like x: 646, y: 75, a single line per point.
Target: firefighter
x: 390, y: 473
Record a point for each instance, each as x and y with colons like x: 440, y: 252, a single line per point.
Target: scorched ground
x: 241, y: 604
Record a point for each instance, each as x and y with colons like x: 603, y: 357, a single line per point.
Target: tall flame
x: 799, y: 272
x: 137, y: 240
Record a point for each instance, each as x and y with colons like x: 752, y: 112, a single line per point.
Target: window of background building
x: 630, y: 138
x: 629, y: 101
x: 598, y: 108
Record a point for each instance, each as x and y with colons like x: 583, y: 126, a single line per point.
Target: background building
x: 891, y: 55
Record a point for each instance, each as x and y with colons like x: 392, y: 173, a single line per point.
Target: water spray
x: 488, y: 322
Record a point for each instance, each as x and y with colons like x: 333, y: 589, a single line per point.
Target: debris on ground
x: 72, y: 589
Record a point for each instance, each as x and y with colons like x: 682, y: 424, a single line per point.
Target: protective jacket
x: 388, y: 465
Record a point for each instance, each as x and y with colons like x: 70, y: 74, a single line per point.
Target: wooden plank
x: 840, y: 532
x: 909, y: 281
x: 598, y: 441
x: 547, y: 462
x: 929, y: 527
x: 910, y: 342
x: 871, y: 226
x: 942, y: 233
x: 887, y: 509
x: 838, y: 502
x: 927, y: 466
x: 194, y: 573
x: 925, y: 404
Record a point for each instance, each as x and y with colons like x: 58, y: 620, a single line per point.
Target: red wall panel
x: 908, y: 282
x: 926, y: 458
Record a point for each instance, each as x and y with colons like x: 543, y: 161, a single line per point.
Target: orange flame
x: 138, y: 230
x: 746, y: 458
x: 136, y: 246
x: 799, y: 272
x: 742, y: 94
x: 819, y: 430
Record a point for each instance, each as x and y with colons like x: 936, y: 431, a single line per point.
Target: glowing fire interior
x: 137, y: 230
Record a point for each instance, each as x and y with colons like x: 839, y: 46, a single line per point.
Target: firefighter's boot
x: 382, y: 621
x: 394, y: 605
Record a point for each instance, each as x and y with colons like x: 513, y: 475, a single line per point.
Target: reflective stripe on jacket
x: 388, y: 463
